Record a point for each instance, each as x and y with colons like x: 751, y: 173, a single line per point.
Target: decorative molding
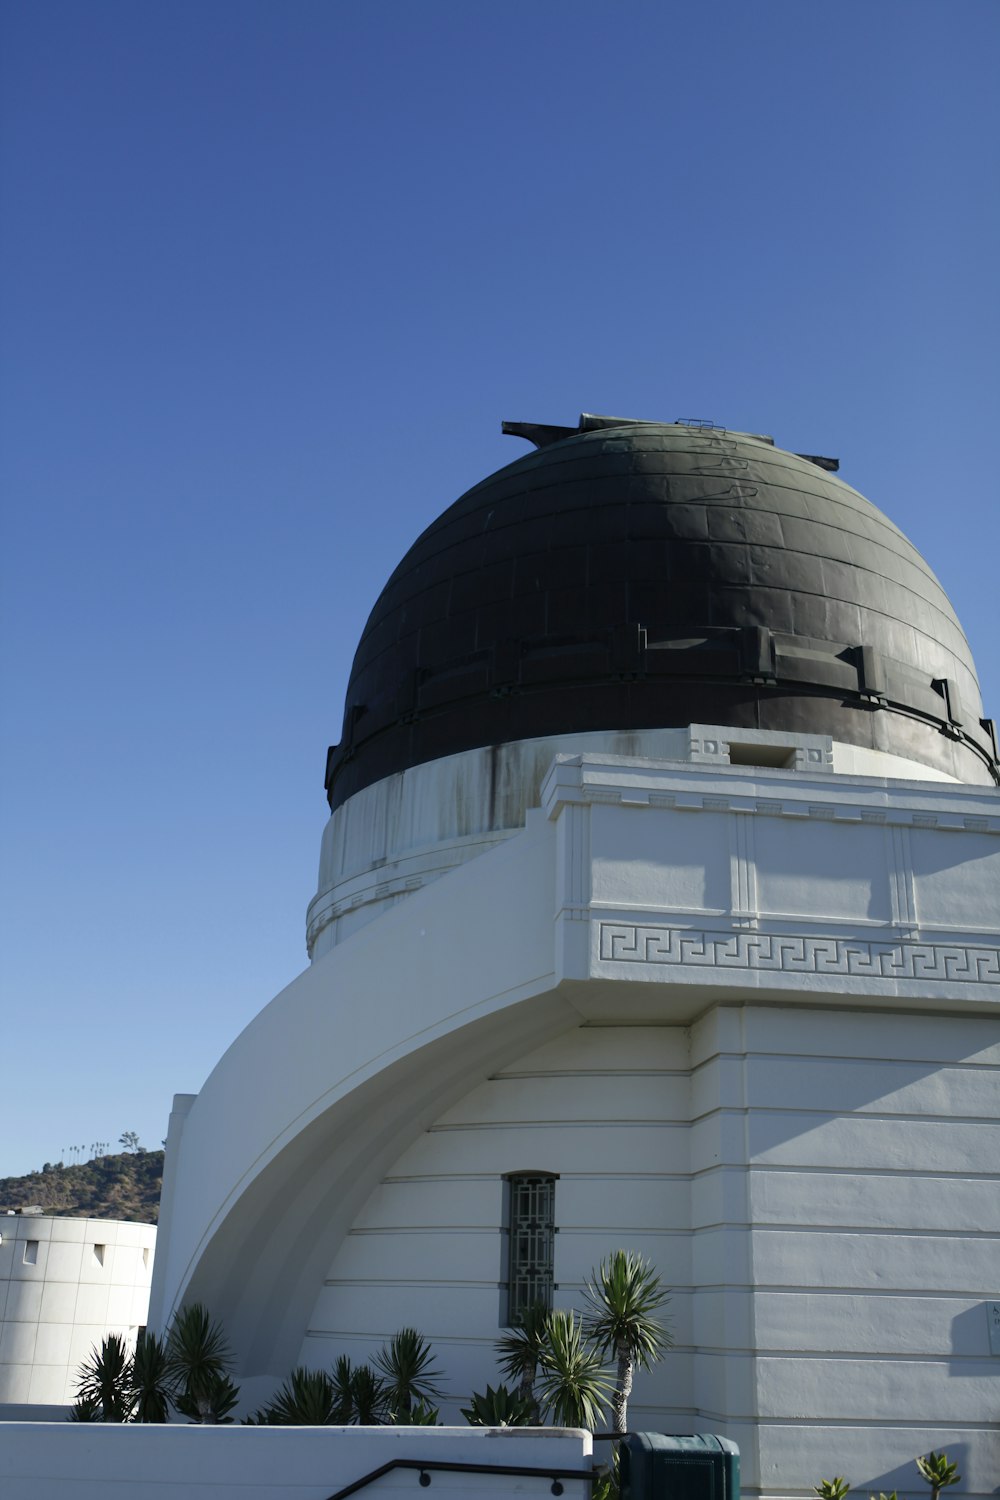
x: 902, y: 894
x: 854, y: 957
x: 935, y: 808
x: 789, y: 807
x: 743, y: 871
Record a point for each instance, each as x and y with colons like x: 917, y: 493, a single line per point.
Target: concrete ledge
x: 56, y: 1461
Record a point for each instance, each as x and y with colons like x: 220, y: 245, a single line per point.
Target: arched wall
x: 302, y: 1115
x: 608, y: 1110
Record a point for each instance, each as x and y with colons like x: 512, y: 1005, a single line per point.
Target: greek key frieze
x: 854, y: 957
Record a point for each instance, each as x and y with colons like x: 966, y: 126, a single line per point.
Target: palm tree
x: 198, y: 1361
x: 574, y: 1385
x: 625, y: 1294
x: 519, y: 1351
x: 103, y: 1390
x: 410, y: 1374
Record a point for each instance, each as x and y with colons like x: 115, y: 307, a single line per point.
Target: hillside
x: 109, y: 1187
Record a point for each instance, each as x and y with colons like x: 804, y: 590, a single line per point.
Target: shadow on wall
x: 970, y: 1335
x: 906, y: 1478
x: 790, y: 1097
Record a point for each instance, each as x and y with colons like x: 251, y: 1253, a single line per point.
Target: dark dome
x: 638, y: 575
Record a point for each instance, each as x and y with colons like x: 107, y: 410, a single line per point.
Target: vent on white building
x: 780, y: 756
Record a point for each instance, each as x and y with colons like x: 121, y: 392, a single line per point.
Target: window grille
x: 531, y: 1230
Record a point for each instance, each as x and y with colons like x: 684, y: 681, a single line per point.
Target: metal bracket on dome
x: 543, y: 434
x: 871, y: 676
x: 831, y: 465
x: 538, y: 432
x: 589, y: 422
x: 948, y: 690
x: 757, y: 654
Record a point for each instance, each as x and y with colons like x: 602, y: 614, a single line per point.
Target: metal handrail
x: 556, y: 1474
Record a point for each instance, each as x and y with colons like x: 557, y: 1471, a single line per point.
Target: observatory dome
x: 637, y: 575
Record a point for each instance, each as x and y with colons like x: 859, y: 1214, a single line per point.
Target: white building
x: 658, y: 908
x: 66, y: 1283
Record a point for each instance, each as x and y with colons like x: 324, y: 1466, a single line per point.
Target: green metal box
x: 696, y: 1467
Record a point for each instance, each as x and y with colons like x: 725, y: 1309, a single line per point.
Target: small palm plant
x: 103, y: 1388
x: 573, y: 1384
x: 625, y: 1296
x: 832, y: 1489
x: 198, y: 1361
x: 343, y: 1391
x: 409, y: 1372
x: 607, y: 1478
x: 367, y: 1396
x: 86, y: 1409
x: 519, y: 1351
x: 420, y: 1414
x: 501, y: 1408
x: 938, y: 1472
x: 308, y: 1398
x: 148, y: 1379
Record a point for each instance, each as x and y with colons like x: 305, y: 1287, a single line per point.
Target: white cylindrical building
x: 65, y: 1284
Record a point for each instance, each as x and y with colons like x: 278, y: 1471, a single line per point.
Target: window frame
x: 533, y: 1269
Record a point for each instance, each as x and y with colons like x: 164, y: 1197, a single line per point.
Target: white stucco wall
x: 828, y: 1230
x: 64, y: 1285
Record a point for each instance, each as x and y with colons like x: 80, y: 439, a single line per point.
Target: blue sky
x: 272, y: 275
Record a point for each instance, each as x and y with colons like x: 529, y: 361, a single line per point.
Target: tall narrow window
x: 531, y: 1227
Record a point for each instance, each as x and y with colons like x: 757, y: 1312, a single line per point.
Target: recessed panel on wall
x: 955, y: 879
x: 807, y: 867
x: 653, y: 859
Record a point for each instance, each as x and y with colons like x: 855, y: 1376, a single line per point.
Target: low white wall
x: 55, y: 1461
